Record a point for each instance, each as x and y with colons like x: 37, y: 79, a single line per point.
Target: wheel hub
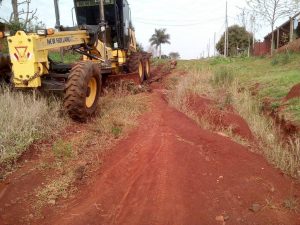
x: 91, y: 93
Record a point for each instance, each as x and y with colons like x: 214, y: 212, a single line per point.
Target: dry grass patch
x: 119, y: 112
x: 56, y: 188
x: 25, y: 118
x: 195, y: 82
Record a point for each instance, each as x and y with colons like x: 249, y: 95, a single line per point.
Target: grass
x: 68, y: 57
x: 223, y: 76
x: 292, y: 111
x: 62, y: 150
x: 25, y: 118
x: 118, y: 112
x: 55, y: 189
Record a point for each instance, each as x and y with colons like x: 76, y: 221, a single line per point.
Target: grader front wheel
x: 82, y: 91
x: 135, y: 64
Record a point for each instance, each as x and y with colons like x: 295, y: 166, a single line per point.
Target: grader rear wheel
x: 135, y: 64
x: 82, y: 91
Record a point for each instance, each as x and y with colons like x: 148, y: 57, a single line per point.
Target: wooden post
x: 278, y: 29
x: 291, y: 29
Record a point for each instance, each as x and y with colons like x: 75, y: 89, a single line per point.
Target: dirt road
x: 170, y: 171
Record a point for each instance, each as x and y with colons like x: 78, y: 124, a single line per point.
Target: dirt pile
x: 294, y: 93
x: 224, y: 118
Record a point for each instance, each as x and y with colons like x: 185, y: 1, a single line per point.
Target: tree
x: 139, y: 47
x: 158, y: 38
x: 272, y: 10
x: 238, y: 39
x: 21, y: 16
x: 174, y: 55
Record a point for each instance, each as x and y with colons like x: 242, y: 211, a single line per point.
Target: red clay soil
x: 17, y: 191
x: 225, y: 118
x: 294, y: 92
x: 170, y: 171
x: 286, y: 128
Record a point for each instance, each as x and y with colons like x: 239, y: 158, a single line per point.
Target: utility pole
x: 57, y: 16
x: 215, y: 44
x: 253, y: 30
x: 226, y: 32
x: 208, y: 48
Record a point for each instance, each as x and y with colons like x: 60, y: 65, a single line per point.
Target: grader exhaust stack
x: 57, y: 16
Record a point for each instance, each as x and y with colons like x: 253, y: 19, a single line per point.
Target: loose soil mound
x: 294, y: 92
x: 225, y: 118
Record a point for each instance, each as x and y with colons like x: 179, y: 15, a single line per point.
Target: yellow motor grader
x: 104, y: 37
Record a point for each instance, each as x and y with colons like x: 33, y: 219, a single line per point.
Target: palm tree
x: 158, y: 38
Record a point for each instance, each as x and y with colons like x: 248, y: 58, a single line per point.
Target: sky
x: 191, y: 24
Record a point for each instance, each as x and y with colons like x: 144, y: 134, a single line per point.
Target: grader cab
x: 104, y: 37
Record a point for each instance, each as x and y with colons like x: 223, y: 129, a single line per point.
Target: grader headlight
x: 7, y: 33
x: 45, y: 32
x: 42, y: 32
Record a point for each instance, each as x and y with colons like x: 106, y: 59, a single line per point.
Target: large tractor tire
x: 135, y: 65
x: 147, y: 65
x: 82, y: 91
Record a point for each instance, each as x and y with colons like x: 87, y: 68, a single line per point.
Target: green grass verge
x: 275, y: 76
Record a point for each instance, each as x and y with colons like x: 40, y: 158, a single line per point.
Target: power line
x: 168, y: 20
x: 175, y: 25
